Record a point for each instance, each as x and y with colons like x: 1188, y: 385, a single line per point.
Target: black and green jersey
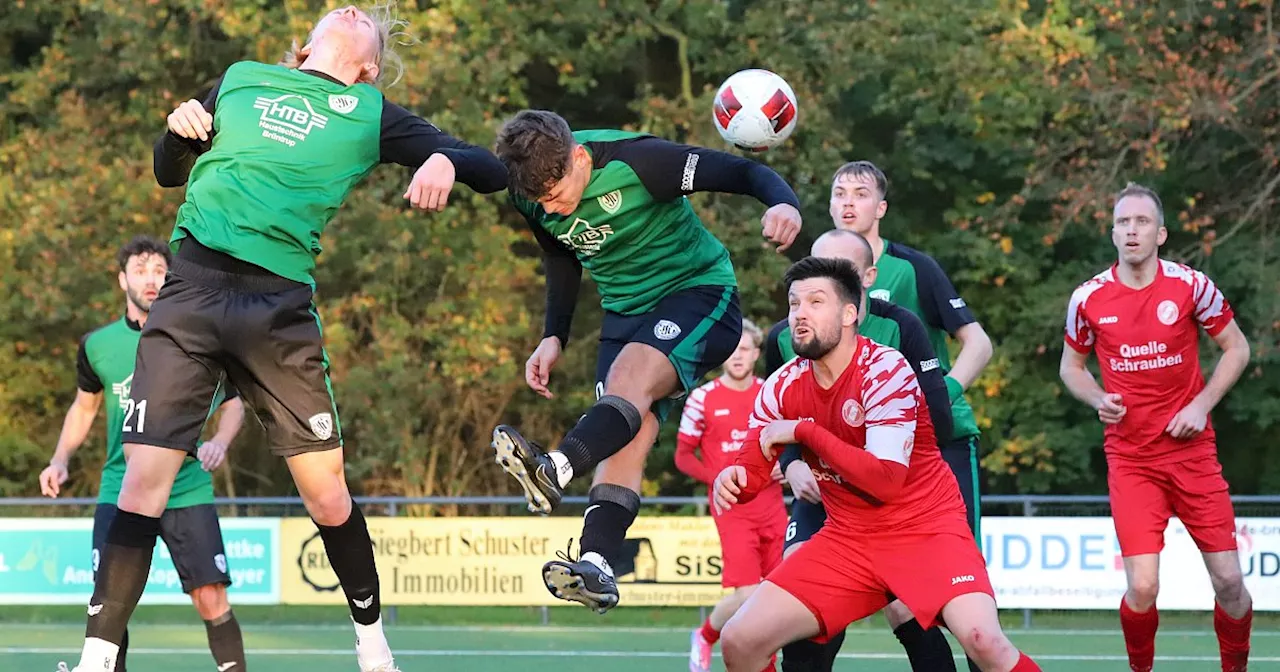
x: 634, y: 230
x: 288, y: 146
x: 105, y: 364
x: 915, y: 281
x: 898, y: 328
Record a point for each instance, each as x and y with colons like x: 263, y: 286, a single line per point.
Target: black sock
x: 122, y: 575
x: 350, y: 552
x: 926, y: 649
x: 226, y: 643
x: 607, y: 427
x: 124, y: 648
x: 807, y: 655
x: 610, y: 511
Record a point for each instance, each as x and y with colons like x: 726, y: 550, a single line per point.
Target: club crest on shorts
x: 611, y: 201
x: 220, y: 561
x: 852, y: 413
x: 1167, y: 313
x: 666, y: 330
x: 343, y: 104
x: 321, y: 425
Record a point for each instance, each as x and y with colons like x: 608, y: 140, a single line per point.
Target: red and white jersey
x: 716, y: 419
x: 1148, y: 346
x: 875, y: 405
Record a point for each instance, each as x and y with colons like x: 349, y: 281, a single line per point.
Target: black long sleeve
x: 564, y: 279
x: 174, y: 155
x: 409, y: 140
x: 670, y: 170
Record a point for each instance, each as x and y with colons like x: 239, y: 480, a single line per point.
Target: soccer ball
x: 755, y: 110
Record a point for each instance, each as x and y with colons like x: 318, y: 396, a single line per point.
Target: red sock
x: 1233, y: 638
x: 1139, y: 635
x: 1025, y: 664
x: 709, y: 633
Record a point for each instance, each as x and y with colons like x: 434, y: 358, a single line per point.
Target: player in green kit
x: 268, y: 157
x: 189, y: 525
x: 614, y: 203
x: 898, y: 328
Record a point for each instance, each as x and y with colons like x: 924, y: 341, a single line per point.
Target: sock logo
x: 226, y: 666
x: 363, y: 604
x: 95, y: 609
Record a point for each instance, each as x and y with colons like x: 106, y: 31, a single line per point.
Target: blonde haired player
x: 714, y: 423
x: 267, y: 158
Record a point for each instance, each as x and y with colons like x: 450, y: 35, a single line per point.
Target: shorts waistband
x: 204, y: 266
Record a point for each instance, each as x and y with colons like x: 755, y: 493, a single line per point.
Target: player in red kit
x: 896, y: 523
x: 1143, y: 317
x: 751, y: 536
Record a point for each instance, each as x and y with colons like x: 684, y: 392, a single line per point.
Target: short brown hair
x: 535, y: 146
x: 142, y: 246
x: 863, y: 169
x: 1135, y: 189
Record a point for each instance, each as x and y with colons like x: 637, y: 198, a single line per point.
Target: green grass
x: 303, y: 639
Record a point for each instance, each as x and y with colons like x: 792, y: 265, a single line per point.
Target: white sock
x: 564, y: 471
x: 597, y: 560
x: 372, y: 649
x: 98, y: 654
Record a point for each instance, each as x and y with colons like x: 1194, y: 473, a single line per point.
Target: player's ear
x: 850, y: 317
x: 369, y: 73
x: 869, y: 278
x: 1162, y: 234
x: 124, y: 281
x: 882, y: 208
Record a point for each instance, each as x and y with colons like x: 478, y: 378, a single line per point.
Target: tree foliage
x: 1004, y: 125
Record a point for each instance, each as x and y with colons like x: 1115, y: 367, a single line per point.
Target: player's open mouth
x: 848, y: 217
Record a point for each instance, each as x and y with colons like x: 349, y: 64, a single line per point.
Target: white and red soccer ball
x: 755, y: 110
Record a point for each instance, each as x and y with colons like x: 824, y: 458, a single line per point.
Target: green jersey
x: 287, y: 147
x: 105, y: 364
x: 915, y: 281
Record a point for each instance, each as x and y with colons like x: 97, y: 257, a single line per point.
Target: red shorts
x: 842, y: 579
x: 750, y: 547
x: 1144, y: 497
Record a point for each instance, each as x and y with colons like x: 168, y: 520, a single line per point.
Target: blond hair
x: 391, y: 32
x: 749, y: 328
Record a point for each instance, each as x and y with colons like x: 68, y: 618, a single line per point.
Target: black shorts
x: 261, y: 331
x: 697, y: 329
x: 192, y: 535
x: 961, y: 455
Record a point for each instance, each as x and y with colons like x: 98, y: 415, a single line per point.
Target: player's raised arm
x: 190, y: 133
x: 670, y: 170
x: 411, y: 141
x: 76, y: 426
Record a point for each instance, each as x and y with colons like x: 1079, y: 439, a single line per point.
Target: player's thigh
x: 103, y: 514
x: 927, y: 571
x: 176, y: 373
x: 771, y: 618
x: 1140, y: 507
x: 740, y: 552
x: 1202, y: 501
x: 834, y: 578
x: 278, y: 363
x: 962, y: 456
x: 806, y: 519
x: 194, y: 538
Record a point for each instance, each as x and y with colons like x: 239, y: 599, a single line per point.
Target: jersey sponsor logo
x: 1145, y: 357
x: 584, y: 238
x: 721, y: 412
x: 882, y: 294
x: 738, y: 436
x: 666, y: 330
x: 288, y: 119
x: 957, y: 303
x: 121, y: 390
x: 929, y: 365
x: 964, y: 578
x: 1110, y: 319
x: 1167, y: 313
x: 690, y: 168
x: 611, y: 201
x: 343, y: 104
x: 853, y: 413
x: 321, y: 425
x: 220, y: 561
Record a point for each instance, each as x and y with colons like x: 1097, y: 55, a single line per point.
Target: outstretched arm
x: 670, y: 170
x: 409, y: 140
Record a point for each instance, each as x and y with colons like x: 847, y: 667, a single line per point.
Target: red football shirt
x: 1148, y: 346
x: 875, y: 405
x: 715, y: 421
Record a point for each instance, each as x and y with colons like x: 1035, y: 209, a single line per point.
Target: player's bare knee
x: 1143, y: 591
x: 1228, y: 584
x: 210, y: 601
x: 986, y: 646
x: 737, y: 644
x: 330, y: 508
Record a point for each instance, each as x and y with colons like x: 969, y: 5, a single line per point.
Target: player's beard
x: 736, y: 375
x: 818, y: 345
x: 139, y: 301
